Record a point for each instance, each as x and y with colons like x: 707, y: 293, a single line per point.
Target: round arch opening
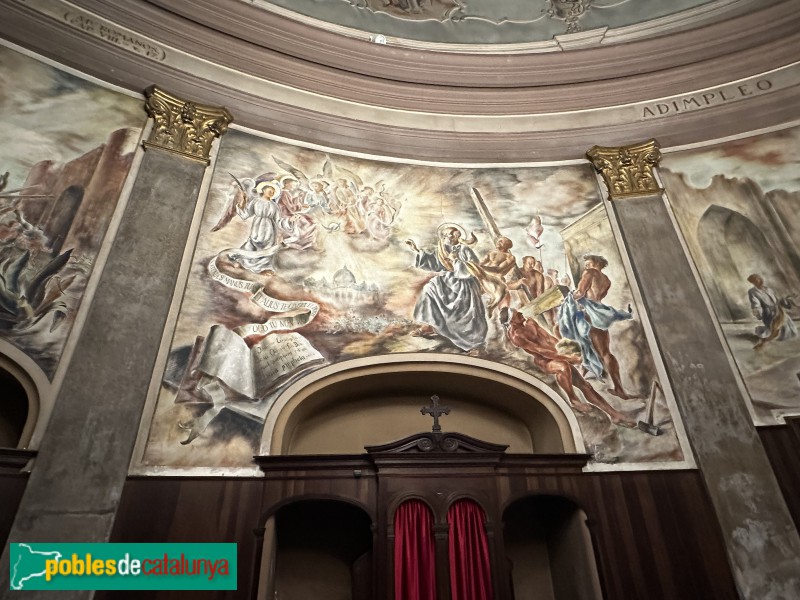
x: 335, y: 537
x: 19, y: 408
x: 549, y: 549
x: 345, y: 407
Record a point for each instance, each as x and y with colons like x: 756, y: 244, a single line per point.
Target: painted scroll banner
x: 292, y: 314
x: 224, y: 372
x: 250, y: 371
x: 253, y: 370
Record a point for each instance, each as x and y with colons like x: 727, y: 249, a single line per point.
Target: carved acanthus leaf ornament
x: 628, y: 170
x: 184, y: 127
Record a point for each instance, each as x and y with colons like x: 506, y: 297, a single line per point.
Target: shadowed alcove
x: 322, y: 549
x: 19, y: 405
x: 354, y: 432
x: 13, y: 410
x: 549, y: 550
x: 342, y: 409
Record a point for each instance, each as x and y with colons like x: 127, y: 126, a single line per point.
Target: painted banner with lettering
x: 231, y: 368
x: 292, y: 314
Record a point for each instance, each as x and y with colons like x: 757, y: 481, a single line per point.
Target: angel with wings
x: 256, y: 200
x: 380, y: 213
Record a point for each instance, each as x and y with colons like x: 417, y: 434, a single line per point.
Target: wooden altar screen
x: 436, y: 468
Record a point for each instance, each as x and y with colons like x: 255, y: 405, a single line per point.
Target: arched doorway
x: 504, y: 427
x: 549, y: 550
x: 323, y: 549
x: 13, y: 410
x: 734, y: 248
x: 19, y: 405
x: 469, y: 551
x: 414, y: 550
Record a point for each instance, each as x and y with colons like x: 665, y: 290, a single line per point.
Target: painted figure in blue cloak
x: 450, y: 304
x: 262, y: 243
x: 584, y: 319
x: 768, y: 308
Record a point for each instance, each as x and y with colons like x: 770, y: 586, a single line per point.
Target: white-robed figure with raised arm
x: 450, y: 304
x: 263, y: 242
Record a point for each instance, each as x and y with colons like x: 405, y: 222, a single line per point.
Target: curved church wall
x: 322, y: 272
x: 737, y: 207
x: 68, y: 145
x: 307, y: 258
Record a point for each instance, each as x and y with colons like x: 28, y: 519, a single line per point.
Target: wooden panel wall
x: 656, y: 533
x: 190, y: 510
x: 782, y: 444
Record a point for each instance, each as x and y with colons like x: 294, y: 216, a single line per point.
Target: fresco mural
x: 307, y: 258
x: 68, y: 146
x: 482, y: 21
x: 737, y: 205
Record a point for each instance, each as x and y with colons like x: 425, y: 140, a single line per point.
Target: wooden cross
x: 435, y: 411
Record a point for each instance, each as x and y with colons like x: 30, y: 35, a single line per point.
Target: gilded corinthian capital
x: 184, y: 127
x: 627, y: 170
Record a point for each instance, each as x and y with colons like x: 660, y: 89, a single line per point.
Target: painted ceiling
x: 497, y: 22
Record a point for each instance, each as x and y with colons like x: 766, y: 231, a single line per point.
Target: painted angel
x: 255, y: 201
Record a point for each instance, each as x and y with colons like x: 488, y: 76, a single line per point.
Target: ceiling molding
x: 214, y: 29
x: 315, y: 103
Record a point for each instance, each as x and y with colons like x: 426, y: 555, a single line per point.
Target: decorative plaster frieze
x: 98, y: 27
x: 435, y: 115
x: 325, y: 101
x: 532, y: 37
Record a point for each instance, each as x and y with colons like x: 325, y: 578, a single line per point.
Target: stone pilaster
x: 762, y: 542
x: 74, y: 488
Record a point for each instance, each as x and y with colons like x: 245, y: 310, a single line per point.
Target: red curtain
x: 414, y: 552
x: 470, y: 570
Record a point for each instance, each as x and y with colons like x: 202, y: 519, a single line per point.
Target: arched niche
x: 19, y: 405
x: 342, y: 408
x: 549, y: 551
x: 734, y: 248
x: 323, y: 549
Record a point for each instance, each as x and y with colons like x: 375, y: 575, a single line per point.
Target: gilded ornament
x: 184, y: 127
x: 628, y: 170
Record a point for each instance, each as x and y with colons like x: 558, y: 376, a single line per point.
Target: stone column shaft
x: 762, y: 542
x: 75, y: 486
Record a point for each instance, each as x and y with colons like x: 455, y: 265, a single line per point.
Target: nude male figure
x: 531, y: 337
x: 496, y: 265
x: 531, y: 278
x: 500, y: 260
x: 594, y: 284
